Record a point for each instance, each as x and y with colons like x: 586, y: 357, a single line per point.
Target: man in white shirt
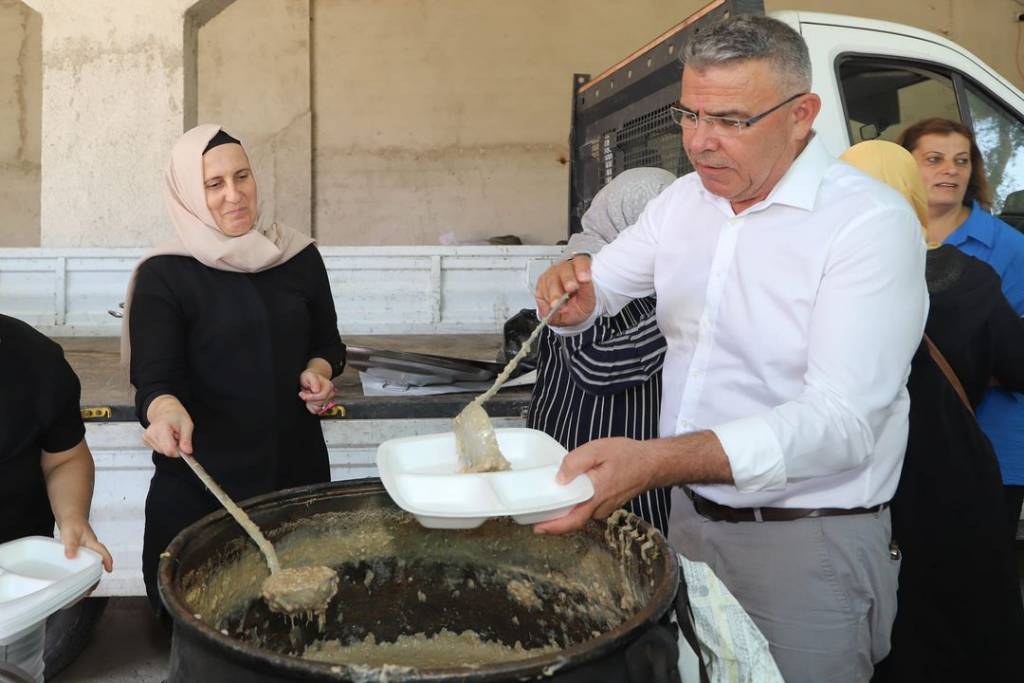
x: 791, y: 290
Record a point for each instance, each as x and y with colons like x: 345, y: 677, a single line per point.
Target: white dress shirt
x: 790, y: 328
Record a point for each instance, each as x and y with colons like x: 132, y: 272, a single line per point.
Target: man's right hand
x: 572, y: 277
x: 170, y: 427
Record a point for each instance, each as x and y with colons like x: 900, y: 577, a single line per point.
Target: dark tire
x: 69, y: 631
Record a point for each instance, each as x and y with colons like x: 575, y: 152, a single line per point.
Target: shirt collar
x: 798, y: 187
x: 975, y: 227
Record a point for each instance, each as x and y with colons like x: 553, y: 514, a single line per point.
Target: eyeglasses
x: 722, y: 124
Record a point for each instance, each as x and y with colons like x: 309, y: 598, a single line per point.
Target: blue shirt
x: 1001, y: 413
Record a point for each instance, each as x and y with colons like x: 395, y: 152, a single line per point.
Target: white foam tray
x: 37, y: 580
x: 419, y: 473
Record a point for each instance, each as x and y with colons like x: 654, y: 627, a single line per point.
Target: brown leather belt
x: 724, y: 513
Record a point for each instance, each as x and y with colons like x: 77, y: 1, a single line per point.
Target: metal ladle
x: 291, y: 590
x: 475, y: 440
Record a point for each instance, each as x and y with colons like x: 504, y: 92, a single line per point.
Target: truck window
x: 882, y: 98
x: 1000, y: 137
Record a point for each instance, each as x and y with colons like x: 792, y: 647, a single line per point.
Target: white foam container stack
x: 420, y: 474
x: 36, y: 580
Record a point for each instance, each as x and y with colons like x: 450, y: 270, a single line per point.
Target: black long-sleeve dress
x: 960, y: 616
x: 230, y: 346
x: 603, y: 382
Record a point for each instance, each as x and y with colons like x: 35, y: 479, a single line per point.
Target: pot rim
x: 543, y: 665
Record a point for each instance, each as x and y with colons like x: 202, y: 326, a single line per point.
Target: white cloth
x: 790, y: 328
x: 732, y: 647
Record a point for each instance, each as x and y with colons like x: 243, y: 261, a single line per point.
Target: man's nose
x: 701, y: 139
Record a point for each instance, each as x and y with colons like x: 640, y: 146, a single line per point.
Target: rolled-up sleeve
x: 867, y: 322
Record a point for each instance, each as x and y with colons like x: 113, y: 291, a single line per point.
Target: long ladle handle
x: 523, y: 350
x: 243, y: 519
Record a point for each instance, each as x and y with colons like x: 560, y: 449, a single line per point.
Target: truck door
x: 875, y: 82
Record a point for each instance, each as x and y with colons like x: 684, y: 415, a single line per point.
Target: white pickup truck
x: 873, y: 77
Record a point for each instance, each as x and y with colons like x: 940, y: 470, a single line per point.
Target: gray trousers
x: 822, y: 590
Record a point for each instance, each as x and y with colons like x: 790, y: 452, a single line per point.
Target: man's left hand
x: 620, y: 470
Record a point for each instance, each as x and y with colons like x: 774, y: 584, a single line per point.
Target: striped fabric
x: 605, y: 382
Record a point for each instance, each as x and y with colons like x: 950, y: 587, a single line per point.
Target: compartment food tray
x: 419, y: 473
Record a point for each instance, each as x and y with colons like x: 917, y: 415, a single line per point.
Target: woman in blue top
x: 958, y: 201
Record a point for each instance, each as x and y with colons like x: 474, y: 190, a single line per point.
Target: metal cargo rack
x: 620, y: 118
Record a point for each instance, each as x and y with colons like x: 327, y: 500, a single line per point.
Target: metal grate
x: 649, y: 140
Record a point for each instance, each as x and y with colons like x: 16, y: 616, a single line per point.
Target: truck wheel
x: 69, y: 631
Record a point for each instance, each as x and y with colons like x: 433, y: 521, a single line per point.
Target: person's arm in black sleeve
x: 607, y: 364
x: 157, y: 331
x: 326, y: 352
x: 1007, y: 345
x: 325, y: 341
x: 159, y: 363
x: 68, y: 468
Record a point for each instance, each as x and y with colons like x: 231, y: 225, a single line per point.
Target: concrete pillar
x: 20, y: 90
x: 113, y: 102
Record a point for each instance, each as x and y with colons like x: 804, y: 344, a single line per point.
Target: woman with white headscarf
x: 233, y: 341
x: 606, y: 381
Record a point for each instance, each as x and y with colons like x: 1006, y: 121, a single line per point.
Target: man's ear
x: 804, y: 111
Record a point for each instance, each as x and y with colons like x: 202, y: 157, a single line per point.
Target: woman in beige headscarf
x: 958, y: 581
x: 233, y: 340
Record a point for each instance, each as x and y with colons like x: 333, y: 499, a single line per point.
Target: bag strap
x: 684, y: 619
x: 947, y: 370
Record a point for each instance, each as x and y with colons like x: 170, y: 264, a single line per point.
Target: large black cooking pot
x: 600, y: 597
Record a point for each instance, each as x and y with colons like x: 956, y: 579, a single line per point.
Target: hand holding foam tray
x: 420, y: 474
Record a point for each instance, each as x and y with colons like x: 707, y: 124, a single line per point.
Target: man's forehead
x: 736, y: 86
x: 739, y: 73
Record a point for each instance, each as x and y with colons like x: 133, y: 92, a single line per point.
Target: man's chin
x: 715, y: 186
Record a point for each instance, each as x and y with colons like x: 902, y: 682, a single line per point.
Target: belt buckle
x: 758, y: 517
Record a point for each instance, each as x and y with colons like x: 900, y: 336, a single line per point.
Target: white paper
x: 375, y: 386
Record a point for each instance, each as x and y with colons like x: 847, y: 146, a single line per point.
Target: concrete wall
x: 253, y: 63
x: 437, y: 116
x: 20, y: 93
x: 383, y: 122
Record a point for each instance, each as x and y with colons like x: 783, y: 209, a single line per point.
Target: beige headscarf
x: 894, y: 166
x: 261, y: 248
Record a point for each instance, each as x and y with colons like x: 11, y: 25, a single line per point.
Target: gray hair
x: 748, y: 37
